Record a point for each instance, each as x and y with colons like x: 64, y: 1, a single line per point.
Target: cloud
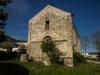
x: 20, y: 6
x: 16, y: 37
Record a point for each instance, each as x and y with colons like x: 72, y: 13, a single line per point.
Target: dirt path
x: 96, y: 62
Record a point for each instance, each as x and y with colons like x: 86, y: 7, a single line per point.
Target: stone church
x: 56, y: 25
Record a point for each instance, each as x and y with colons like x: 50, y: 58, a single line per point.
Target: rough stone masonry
x: 53, y: 24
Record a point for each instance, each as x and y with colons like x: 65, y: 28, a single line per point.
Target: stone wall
x: 35, y: 51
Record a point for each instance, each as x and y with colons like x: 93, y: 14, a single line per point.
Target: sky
x: 86, y: 15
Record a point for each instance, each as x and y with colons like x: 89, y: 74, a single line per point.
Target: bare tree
x: 85, y: 43
x: 7, y: 45
x: 95, y: 38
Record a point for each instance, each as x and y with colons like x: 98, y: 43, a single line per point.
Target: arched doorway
x: 45, y: 57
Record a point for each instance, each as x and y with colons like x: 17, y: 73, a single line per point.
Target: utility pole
x: 85, y: 44
x: 85, y: 50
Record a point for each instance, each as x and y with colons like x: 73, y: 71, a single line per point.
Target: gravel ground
x: 96, y: 62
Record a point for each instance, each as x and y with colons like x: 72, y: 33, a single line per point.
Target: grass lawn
x: 10, y: 65
x: 34, y: 68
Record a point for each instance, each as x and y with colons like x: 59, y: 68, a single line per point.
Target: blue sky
x: 86, y: 15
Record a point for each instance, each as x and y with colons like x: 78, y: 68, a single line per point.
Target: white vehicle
x: 15, y: 49
x: 85, y: 54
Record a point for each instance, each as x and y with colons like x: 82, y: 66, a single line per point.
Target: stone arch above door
x: 47, y: 38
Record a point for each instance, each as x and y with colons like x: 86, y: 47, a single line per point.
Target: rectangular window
x: 47, y: 25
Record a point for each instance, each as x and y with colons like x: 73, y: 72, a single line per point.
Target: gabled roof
x: 49, y: 9
x: 53, y: 10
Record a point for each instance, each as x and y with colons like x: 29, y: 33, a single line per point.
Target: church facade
x: 56, y: 25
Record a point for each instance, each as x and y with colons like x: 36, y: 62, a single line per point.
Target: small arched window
x: 47, y: 24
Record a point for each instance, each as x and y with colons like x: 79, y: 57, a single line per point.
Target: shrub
x: 31, y: 59
x: 22, y: 51
x: 8, y: 55
x: 78, y: 59
x: 52, y: 51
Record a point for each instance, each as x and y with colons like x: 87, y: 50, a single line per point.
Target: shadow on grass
x: 8, y: 55
x: 13, y: 69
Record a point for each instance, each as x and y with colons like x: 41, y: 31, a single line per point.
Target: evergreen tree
x: 2, y: 36
x: 3, y: 16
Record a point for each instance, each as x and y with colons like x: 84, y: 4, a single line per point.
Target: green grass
x: 36, y: 68
x: 12, y: 66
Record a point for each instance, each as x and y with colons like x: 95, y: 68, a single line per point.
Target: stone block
x: 68, y: 61
x: 23, y: 58
x: 46, y: 59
